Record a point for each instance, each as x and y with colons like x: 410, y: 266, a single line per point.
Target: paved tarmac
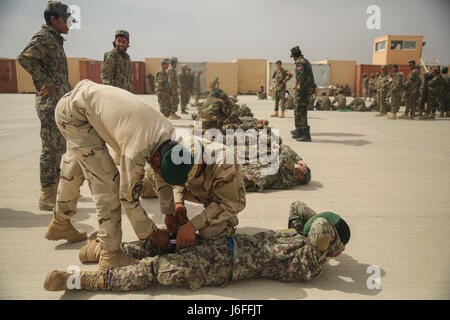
x: 389, y: 179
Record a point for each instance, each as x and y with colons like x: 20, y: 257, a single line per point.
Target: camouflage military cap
x: 122, y: 33
x: 278, y: 62
x: 384, y: 67
x: 412, y: 62
x: 59, y: 8
x: 394, y: 66
x: 295, y: 51
x: 173, y: 59
x: 364, y: 74
x: 165, y: 60
x: 218, y: 93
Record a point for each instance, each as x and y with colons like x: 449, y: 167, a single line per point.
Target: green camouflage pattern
x: 358, y: 104
x: 117, y: 70
x: 383, y: 84
x: 435, y: 87
x: 280, y: 78
x: 173, y: 85
x: 323, y: 103
x: 216, y: 112
x: 305, y: 86
x: 163, y: 92
x: 340, y: 100
x: 411, y: 91
x: 184, y: 86
x: 395, y: 91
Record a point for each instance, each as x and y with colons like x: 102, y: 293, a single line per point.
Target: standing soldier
x: 422, y: 96
x: 382, y: 91
x: 261, y: 93
x: 411, y: 91
x: 191, y: 83
x: 395, y: 91
x: 372, y: 88
x: 435, y: 86
x: 197, y: 88
x: 214, y: 84
x: 183, y: 84
x: 281, y: 76
x: 304, y: 88
x: 173, y: 85
x: 45, y: 60
x: 446, y: 92
x: 163, y: 90
x: 151, y: 80
x: 116, y: 66
x: 365, y: 86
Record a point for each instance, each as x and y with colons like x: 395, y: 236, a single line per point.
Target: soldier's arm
x: 299, y: 214
x: 165, y: 195
x: 131, y: 180
x: 108, y: 69
x: 31, y: 60
x: 226, y: 185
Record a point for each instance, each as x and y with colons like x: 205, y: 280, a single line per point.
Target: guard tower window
x: 409, y: 45
x: 396, y: 45
x: 380, y: 46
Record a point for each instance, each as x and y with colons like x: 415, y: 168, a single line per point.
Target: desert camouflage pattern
x: 262, y: 95
x: 163, y: 92
x: 117, y: 70
x: 45, y: 60
x: 395, y: 91
x: 285, y: 255
x: 411, y: 91
x: 285, y: 178
x: 358, y: 104
x: 280, y: 78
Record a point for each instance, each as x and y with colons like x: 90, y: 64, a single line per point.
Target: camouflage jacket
x: 397, y: 82
x: 383, y: 83
x: 365, y: 82
x: 285, y: 177
x: 162, y: 83
x: 281, y: 77
x: 372, y: 84
x: 435, y: 84
x: 413, y: 83
x: 304, y: 76
x: 117, y: 70
x: 183, y: 83
x: 45, y: 60
x: 323, y: 103
x: 341, y: 101
x: 216, y: 112
x: 173, y: 79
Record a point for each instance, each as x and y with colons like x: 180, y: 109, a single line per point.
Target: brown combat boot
x: 282, y: 114
x: 114, y: 259
x: 275, y: 114
x: 63, y: 229
x: 47, y: 201
x: 404, y: 116
x: 174, y: 116
x: 392, y: 116
x: 381, y: 114
x: 91, y: 251
x: 89, y: 280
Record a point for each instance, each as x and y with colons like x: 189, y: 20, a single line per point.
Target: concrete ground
x: 388, y: 178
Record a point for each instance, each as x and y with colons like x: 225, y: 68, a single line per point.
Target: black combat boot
x: 297, y: 133
x: 306, y: 137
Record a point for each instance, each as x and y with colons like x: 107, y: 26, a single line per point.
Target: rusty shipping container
x: 91, y: 70
x: 8, y: 76
x: 251, y: 75
x: 138, y: 68
x: 373, y: 68
x: 227, y: 72
x: 73, y: 65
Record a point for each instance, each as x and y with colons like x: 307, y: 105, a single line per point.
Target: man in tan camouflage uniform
x: 395, y: 91
x: 90, y: 116
x: 411, y: 92
x: 45, y: 61
x: 173, y: 87
x: 280, y: 77
x: 116, y: 67
x: 296, y: 254
x: 183, y: 84
x: 163, y: 91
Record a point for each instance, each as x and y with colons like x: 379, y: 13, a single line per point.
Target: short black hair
x: 47, y: 17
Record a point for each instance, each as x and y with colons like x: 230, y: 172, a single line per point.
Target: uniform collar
x: 53, y: 31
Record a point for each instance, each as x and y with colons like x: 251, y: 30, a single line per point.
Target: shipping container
x: 24, y: 81
x: 138, y: 77
x: 372, y: 68
x: 73, y: 65
x: 91, y: 70
x: 8, y: 76
x: 251, y: 75
x: 321, y: 74
x: 227, y: 72
x: 342, y: 72
x: 152, y: 65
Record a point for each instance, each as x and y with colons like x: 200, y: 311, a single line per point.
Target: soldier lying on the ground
x: 323, y: 103
x: 296, y: 254
x: 358, y: 104
x: 340, y: 99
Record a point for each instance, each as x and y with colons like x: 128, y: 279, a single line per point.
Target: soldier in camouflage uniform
x: 163, y: 90
x: 191, y: 83
x: 365, y: 86
x: 411, y: 92
x: 183, y: 84
x: 214, y: 84
x: 116, y: 67
x: 395, y: 91
x: 292, y: 171
x: 446, y: 91
x: 358, y: 104
x: 88, y: 117
x: 311, y: 101
x: 295, y: 254
x: 280, y: 77
x: 218, y: 110
x: 197, y: 88
x: 340, y: 99
x: 261, y: 93
x: 173, y: 88
x: 422, y: 96
x: 323, y: 102
x: 435, y: 84
x: 304, y: 88
x: 372, y: 85
x: 45, y: 60
x: 383, y: 83
x: 151, y: 80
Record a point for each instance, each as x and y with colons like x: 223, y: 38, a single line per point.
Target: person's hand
x: 45, y: 91
x: 161, y: 239
x: 171, y: 223
x: 185, y: 236
x: 181, y: 214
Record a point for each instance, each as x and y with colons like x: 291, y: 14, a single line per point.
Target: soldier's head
x: 444, y: 70
x: 173, y: 62
x: 412, y: 63
x: 436, y: 70
x: 165, y: 63
x: 262, y: 87
x: 121, y: 40
x: 183, y: 68
x: 56, y: 15
x: 278, y: 64
x: 302, y: 172
x: 384, y: 69
x: 394, y: 68
x: 189, y: 70
x: 371, y: 74
x: 364, y: 74
x: 296, y: 52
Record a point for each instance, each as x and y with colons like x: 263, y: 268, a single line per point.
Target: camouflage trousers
x: 87, y: 157
x: 184, y: 99
x: 208, y: 263
x: 53, y: 147
x: 432, y: 103
x: 165, y: 106
x: 196, y: 96
x: 280, y: 100
x: 382, y: 101
x: 395, y: 101
x: 301, y: 110
x: 410, y: 103
x: 174, y: 100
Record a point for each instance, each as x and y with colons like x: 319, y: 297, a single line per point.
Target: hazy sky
x: 201, y: 30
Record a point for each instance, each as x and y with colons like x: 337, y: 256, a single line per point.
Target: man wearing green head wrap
x: 296, y: 254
